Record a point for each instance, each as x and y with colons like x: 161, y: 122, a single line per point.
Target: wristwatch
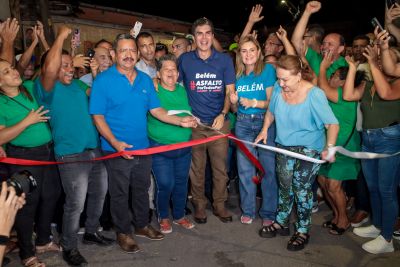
x: 223, y: 114
x: 3, y: 240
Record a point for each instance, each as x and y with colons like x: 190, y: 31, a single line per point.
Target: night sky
x: 232, y: 15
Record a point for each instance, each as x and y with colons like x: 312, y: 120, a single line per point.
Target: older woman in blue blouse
x: 301, y: 113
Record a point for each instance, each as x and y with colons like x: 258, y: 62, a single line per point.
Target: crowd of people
x: 303, y: 95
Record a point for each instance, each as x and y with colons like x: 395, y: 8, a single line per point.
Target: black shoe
x: 74, y: 258
x: 97, y: 239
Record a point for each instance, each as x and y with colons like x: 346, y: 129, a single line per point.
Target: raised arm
x: 351, y: 93
x: 254, y: 17
x: 9, y: 30
x: 301, y: 26
x: 10, y: 203
x: 27, y: 55
x: 282, y: 35
x: 388, y: 63
x: 383, y: 88
x: 42, y: 37
x: 330, y: 92
x: 52, y: 63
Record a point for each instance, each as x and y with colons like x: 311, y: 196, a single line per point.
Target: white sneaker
x: 378, y: 245
x: 368, y: 231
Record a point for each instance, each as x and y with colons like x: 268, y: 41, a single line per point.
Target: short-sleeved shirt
x: 13, y: 111
x: 254, y: 87
x: 302, y: 124
x: 149, y: 70
x: 314, y: 59
x: 72, y: 127
x: 205, y: 82
x: 124, y: 106
x: 165, y: 133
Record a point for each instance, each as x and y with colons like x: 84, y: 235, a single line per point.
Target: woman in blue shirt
x: 254, y: 83
x: 301, y: 113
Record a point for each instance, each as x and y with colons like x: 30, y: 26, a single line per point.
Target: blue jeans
x: 78, y: 180
x: 171, y: 173
x: 247, y: 128
x: 382, y: 176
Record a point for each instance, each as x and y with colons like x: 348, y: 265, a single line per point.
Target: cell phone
x: 136, y: 29
x: 90, y: 53
x: 77, y: 37
x: 390, y: 3
x: 375, y: 23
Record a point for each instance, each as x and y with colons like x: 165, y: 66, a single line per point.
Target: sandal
x: 271, y: 230
x: 33, y: 262
x: 335, y: 230
x: 298, y: 242
x: 49, y: 247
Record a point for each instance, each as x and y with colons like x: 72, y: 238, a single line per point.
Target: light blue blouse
x: 302, y: 124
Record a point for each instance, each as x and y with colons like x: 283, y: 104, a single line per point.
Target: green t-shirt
x: 314, y: 59
x: 14, y: 110
x: 165, y: 133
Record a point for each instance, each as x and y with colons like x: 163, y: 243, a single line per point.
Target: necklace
x: 372, y: 93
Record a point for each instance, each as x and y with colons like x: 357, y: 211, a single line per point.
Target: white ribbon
x: 331, y: 150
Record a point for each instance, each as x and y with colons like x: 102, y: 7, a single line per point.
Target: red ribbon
x: 150, y: 151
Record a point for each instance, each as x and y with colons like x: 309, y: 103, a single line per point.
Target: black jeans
x: 129, y: 177
x: 41, y: 202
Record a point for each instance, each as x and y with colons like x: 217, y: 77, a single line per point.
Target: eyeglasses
x: 307, y: 36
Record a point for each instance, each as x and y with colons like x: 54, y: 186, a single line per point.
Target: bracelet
x: 255, y: 103
x: 330, y: 145
x: 3, y: 240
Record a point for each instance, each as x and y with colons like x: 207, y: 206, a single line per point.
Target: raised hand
x: 10, y: 203
x: 9, y: 30
x: 382, y: 38
x: 254, y: 16
x: 281, y: 33
x: 351, y: 62
x: 64, y: 32
x: 80, y: 61
x: 327, y: 60
x: 371, y: 53
x: 313, y: 7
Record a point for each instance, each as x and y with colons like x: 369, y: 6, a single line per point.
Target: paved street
x: 234, y: 245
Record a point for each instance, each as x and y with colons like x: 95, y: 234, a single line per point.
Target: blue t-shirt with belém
x: 254, y: 87
x: 205, y: 82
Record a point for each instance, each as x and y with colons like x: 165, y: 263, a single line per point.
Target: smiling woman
x: 171, y: 169
x: 25, y: 133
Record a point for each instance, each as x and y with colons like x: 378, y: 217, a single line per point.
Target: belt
x: 394, y: 123
x: 44, y: 146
